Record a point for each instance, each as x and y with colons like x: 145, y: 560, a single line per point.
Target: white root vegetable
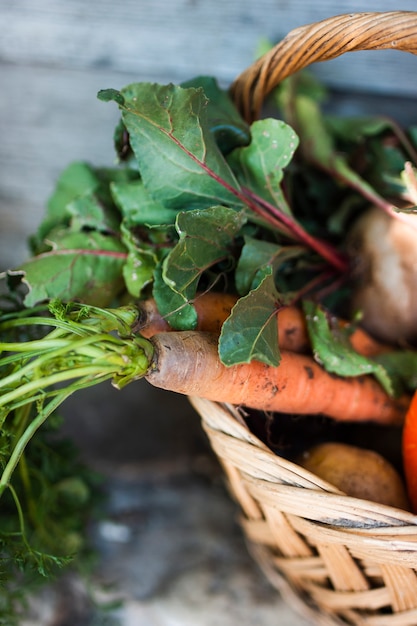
x: 384, y: 259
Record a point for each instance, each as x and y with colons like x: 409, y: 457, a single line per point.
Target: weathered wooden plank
x: 155, y: 38
x: 49, y: 118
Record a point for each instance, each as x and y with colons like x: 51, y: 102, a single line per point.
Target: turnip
x: 383, y: 250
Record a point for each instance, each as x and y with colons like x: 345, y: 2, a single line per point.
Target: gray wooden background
x: 56, y: 54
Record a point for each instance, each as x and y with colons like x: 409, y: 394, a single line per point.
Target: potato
x: 383, y: 252
x: 357, y: 472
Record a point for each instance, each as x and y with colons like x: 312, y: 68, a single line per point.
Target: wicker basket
x: 336, y: 559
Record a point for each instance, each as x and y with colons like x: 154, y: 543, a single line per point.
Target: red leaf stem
x: 323, y: 248
x: 276, y: 217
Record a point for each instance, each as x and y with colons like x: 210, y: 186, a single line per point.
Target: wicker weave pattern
x: 322, y: 41
x: 337, y: 559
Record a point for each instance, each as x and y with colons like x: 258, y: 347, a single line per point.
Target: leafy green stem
x: 88, y: 359
x: 22, y: 417
x: 54, y: 379
x: 27, y: 436
x: 68, y: 349
x: 26, y: 481
x: 21, y: 517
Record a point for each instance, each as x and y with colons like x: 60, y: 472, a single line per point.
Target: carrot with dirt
x: 213, y: 308
x: 187, y: 362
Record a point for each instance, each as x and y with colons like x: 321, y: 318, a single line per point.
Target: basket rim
x: 224, y: 421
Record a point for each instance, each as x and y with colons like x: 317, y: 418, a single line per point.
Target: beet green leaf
x: 177, y: 155
x: 224, y: 120
x: 260, y: 165
x: 83, y: 266
x: 206, y: 237
x: 333, y: 350
x: 251, y: 331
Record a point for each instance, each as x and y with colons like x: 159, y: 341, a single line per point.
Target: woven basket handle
x: 322, y: 41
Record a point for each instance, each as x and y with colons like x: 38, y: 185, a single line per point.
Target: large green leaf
x: 83, y: 266
x: 251, y: 331
x: 260, y: 165
x: 205, y: 238
x: 82, y: 198
x: 178, y: 158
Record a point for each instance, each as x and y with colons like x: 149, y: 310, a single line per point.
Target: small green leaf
x: 140, y: 265
x: 251, y: 331
x: 205, y: 238
x: 76, y: 180
x: 333, y: 350
x: 260, y: 166
x: 255, y: 255
x: 401, y: 365
x: 224, y: 120
x: 173, y: 306
x: 356, y: 128
x: 107, y: 95
x: 87, y: 211
x: 138, y: 207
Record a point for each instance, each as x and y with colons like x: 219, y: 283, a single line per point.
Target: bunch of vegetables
x: 271, y: 266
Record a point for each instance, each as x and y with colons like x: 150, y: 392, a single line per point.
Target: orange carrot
x: 366, y: 345
x: 409, y: 450
x: 214, y: 308
x: 188, y: 362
